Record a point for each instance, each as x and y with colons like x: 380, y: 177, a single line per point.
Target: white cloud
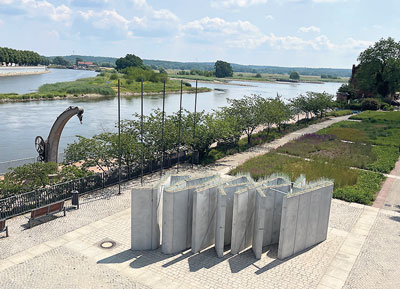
x: 160, y: 14
x: 106, y: 19
x: 269, y: 17
x: 1, y: 22
x: 61, y: 13
x: 54, y: 34
x: 328, y: 1
x: 236, y: 3
x: 218, y: 31
x: 6, y: 2
x: 318, y: 43
x: 309, y: 29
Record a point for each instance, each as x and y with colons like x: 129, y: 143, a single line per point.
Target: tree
x: 58, y: 60
x: 78, y: 59
x: 130, y: 60
x: 246, y: 114
x: 294, y: 75
x: 379, y: 69
x: 223, y: 69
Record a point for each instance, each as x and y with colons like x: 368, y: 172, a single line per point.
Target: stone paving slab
x: 63, y: 268
x: 185, y: 270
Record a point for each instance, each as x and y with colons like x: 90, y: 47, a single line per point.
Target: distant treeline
x: 248, y: 68
x: 209, y: 66
x: 21, y: 57
x: 99, y: 60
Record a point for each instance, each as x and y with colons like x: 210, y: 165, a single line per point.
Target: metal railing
x: 26, y: 202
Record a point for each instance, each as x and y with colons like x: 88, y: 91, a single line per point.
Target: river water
x: 22, y: 122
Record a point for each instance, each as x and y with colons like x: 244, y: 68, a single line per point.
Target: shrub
x: 258, y: 75
x: 114, y: 76
x: 370, y: 104
x: 363, y: 192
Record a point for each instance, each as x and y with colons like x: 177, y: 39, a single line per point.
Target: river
x: 23, y: 121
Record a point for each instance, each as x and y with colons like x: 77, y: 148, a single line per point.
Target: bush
x: 386, y: 159
x: 363, y: 192
x: 370, y: 104
x: 387, y: 107
x: 355, y: 106
x: 258, y: 75
x: 114, y: 76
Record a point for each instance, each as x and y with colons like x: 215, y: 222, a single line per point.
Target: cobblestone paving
x: 93, y: 207
x: 205, y: 270
x: 63, y: 268
x: 378, y: 265
x: 344, y: 215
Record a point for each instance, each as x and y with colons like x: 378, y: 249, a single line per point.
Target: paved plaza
x: 362, y: 249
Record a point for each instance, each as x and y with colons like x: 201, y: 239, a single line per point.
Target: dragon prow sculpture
x: 48, y: 149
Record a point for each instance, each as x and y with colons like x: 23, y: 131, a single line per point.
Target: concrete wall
x: 259, y: 222
x: 229, y: 191
x: 220, y: 222
x: 305, y: 218
x: 243, y: 219
x: 22, y: 70
x: 204, y: 217
x: 273, y: 211
x: 178, y: 213
x: 145, y: 229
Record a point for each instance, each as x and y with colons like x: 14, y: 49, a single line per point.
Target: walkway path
x: 362, y: 249
x: 389, y: 195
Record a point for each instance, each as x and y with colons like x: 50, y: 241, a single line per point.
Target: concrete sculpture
x: 209, y: 211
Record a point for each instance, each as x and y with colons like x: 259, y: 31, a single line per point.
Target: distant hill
x: 96, y: 59
x: 249, y: 68
x: 210, y: 66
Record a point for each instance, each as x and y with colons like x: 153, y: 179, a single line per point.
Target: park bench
x: 3, y: 227
x: 47, y: 210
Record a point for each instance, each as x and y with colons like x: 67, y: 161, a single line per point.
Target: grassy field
x: 252, y: 77
x: 100, y: 85
x: 374, y: 149
x: 377, y: 128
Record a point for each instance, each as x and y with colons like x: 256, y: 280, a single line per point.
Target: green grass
x: 252, y: 77
x: 378, y: 116
x: 259, y: 138
x: 100, y: 85
x: 271, y: 163
x: 349, y: 184
x: 364, y: 191
x: 81, y: 86
x: 337, y: 113
x: 378, y: 128
x: 329, y: 148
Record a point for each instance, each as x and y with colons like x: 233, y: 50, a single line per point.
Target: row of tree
x: 21, y: 57
x: 198, y: 132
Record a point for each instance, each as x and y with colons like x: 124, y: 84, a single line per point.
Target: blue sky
x: 313, y: 33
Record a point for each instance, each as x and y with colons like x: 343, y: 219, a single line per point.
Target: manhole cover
x: 107, y: 244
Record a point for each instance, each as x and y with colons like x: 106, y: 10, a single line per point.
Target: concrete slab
x: 220, y: 222
x: 243, y: 219
x: 145, y: 229
x: 259, y: 221
x: 204, y: 217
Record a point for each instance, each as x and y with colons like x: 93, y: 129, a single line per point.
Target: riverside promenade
x: 362, y: 249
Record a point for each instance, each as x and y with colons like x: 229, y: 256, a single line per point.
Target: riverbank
x: 263, y: 78
x: 95, y: 87
x: 8, y: 71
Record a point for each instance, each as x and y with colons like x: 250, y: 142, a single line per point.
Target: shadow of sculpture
x: 273, y: 253
x: 205, y: 259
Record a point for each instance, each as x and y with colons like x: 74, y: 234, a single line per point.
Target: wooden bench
x: 46, y: 210
x: 3, y: 227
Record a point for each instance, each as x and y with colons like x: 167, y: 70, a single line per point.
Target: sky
x: 311, y: 33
